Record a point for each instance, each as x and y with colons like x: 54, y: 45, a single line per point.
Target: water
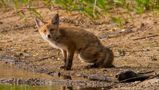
x: 27, y: 87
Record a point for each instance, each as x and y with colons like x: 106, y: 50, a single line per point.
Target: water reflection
x: 49, y: 87
x: 82, y: 88
x: 68, y: 77
x: 66, y: 88
x: 27, y: 87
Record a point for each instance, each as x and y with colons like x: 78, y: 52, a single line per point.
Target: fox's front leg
x: 69, y: 58
x: 64, y: 53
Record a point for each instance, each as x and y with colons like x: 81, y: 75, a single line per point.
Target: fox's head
x: 48, y: 30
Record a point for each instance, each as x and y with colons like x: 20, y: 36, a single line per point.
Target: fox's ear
x: 55, y: 19
x: 38, y: 22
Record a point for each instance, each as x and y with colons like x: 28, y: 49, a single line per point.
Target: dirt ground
x: 135, y: 45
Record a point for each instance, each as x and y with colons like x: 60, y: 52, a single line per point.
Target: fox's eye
x: 44, y: 31
x: 51, y: 29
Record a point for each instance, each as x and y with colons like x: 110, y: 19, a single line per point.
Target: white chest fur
x: 54, y: 44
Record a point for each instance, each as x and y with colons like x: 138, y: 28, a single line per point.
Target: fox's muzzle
x: 49, y: 36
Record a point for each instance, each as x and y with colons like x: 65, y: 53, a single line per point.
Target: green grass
x: 90, y: 8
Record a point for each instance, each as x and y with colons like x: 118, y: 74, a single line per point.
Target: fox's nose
x: 49, y: 36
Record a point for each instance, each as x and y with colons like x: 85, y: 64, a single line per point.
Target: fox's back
x: 80, y: 37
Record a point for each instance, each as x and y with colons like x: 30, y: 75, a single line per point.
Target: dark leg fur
x: 92, y: 66
x: 69, y: 59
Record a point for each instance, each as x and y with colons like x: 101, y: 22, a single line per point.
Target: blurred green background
x: 90, y: 8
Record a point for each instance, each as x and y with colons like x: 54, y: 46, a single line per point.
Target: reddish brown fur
x: 72, y: 40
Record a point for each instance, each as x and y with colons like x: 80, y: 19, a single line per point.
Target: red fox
x: 71, y: 40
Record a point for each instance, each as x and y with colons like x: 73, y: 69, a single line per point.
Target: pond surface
x: 27, y: 87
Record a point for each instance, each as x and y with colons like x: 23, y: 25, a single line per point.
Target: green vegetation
x: 27, y: 87
x: 91, y: 8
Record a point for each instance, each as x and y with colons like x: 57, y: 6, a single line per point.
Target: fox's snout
x: 48, y: 36
x: 45, y: 35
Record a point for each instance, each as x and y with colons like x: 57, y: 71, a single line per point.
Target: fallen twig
x: 44, y: 58
x: 115, y: 34
x: 146, y: 37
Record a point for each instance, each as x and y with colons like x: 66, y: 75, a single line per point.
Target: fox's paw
x: 65, y: 68
x: 109, y: 66
x: 91, y: 66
